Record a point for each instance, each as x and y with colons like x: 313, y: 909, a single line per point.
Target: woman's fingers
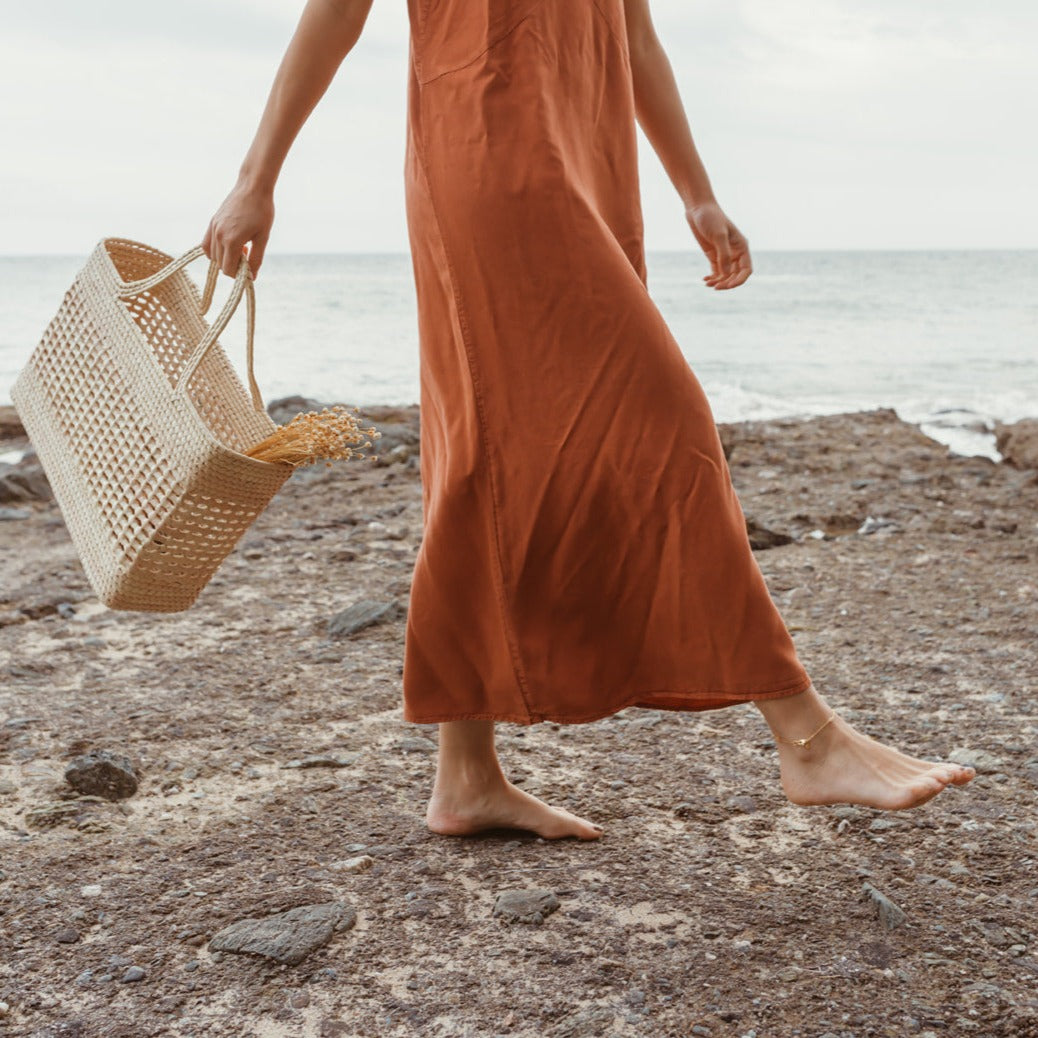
x: 256, y: 251
x: 230, y: 257
x: 740, y: 266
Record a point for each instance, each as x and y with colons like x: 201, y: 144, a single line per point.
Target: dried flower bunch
x: 326, y: 435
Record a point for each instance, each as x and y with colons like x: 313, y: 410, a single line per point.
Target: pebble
x: 525, y: 906
x: 416, y: 744
x: 102, y: 773
x: 360, y: 615
x: 132, y: 973
x: 324, y: 760
x: 67, y: 935
x: 286, y: 937
x: 872, y: 524
x: 743, y: 804
x: 91, y: 890
x: 984, y: 762
x: 357, y: 864
x: 889, y: 914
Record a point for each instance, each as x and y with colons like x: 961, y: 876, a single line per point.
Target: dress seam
x: 623, y: 43
x: 475, y: 57
x: 513, y: 648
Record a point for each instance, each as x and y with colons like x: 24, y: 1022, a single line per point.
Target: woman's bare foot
x: 471, y: 792
x: 499, y: 804
x: 844, y: 766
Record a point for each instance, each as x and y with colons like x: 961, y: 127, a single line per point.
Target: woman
x: 583, y: 548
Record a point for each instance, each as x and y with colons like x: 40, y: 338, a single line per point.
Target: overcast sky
x: 823, y: 123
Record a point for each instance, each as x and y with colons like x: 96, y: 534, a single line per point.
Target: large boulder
x: 10, y: 424
x: 1018, y: 443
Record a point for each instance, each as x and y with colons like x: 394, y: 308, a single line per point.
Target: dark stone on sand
x: 416, y: 744
x: 525, y: 906
x: 26, y: 483
x: 986, y: 763
x: 1018, y: 443
x: 762, y: 538
x: 742, y: 804
x: 361, y: 614
x: 873, y: 523
x: 104, y: 774
x: 67, y: 935
x: 591, y: 1022
x: 323, y: 760
x: 889, y: 914
x: 286, y: 937
x: 11, y: 427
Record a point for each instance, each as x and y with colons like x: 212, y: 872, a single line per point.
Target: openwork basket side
x: 140, y: 422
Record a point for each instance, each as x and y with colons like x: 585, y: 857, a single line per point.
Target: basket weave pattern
x: 140, y: 424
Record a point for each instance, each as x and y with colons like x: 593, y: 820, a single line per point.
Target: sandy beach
x: 273, y: 771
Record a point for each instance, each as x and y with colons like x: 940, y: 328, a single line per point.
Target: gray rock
x: 104, y: 774
x: 742, y: 804
x: 525, y: 906
x: 9, y: 515
x: 762, y: 538
x: 132, y: 973
x: 593, y: 1022
x: 11, y: 427
x: 416, y: 744
x: 324, y: 760
x: 984, y: 762
x: 360, y: 615
x: 872, y: 524
x: 1018, y: 443
x: 25, y: 483
x: 889, y: 914
x: 66, y: 935
x: 286, y: 937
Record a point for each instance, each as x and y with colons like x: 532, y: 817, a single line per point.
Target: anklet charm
x: 805, y: 743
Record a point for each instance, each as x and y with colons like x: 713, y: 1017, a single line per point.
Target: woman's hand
x: 723, y: 243
x: 246, y: 215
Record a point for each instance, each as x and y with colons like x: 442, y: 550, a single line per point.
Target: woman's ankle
x: 798, y: 716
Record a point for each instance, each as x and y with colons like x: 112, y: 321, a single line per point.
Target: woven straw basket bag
x: 140, y: 423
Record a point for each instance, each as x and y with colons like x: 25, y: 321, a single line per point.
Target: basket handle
x: 243, y: 283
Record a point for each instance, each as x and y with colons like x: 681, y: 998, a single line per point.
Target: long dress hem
x: 704, y: 700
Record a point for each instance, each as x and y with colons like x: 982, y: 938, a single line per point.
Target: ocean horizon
x: 947, y: 338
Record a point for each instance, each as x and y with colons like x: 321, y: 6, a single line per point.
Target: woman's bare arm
x: 662, y: 116
x: 326, y: 33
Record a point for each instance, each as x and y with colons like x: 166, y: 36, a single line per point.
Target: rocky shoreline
x: 211, y: 823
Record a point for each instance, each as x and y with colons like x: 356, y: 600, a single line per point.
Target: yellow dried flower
x: 325, y: 435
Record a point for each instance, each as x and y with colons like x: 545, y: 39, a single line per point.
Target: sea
x: 948, y: 339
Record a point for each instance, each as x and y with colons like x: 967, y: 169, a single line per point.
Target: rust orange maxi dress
x: 584, y: 549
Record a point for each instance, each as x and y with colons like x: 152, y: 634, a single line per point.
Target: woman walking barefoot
x: 583, y: 547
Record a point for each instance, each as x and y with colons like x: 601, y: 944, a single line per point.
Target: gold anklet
x: 805, y: 743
